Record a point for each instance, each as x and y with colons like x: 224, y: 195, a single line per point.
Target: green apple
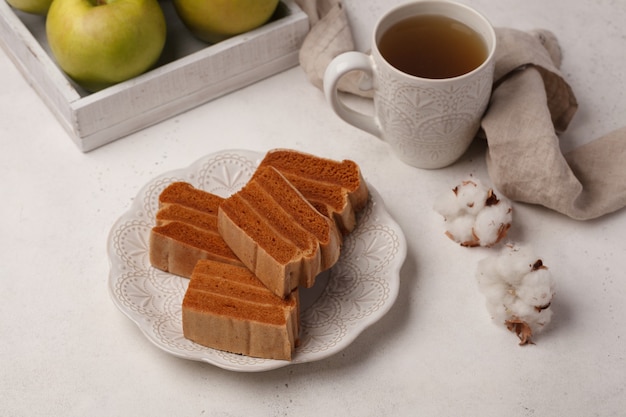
x: 31, y: 6
x: 99, y: 43
x: 215, y: 20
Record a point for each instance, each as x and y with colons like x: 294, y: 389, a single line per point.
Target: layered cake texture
x: 335, y: 188
x: 248, y: 255
x: 186, y: 230
x: 277, y: 233
x: 227, y: 308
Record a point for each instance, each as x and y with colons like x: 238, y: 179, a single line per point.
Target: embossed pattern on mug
x: 434, y: 117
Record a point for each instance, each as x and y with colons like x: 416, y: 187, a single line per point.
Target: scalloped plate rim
x: 264, y: 364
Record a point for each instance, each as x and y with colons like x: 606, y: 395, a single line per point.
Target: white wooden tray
x: 189, y: 73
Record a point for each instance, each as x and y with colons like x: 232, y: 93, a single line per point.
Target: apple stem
x: 101, y: 2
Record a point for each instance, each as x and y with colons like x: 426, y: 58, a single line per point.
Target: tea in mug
x: 432, y: 46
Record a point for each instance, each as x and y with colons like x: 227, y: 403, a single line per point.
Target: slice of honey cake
x: 186, y: 230
x: 335, y: 188
x: 277, y: 233
x: 227, y: 308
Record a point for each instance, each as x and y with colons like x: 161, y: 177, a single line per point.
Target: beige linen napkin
x: 330, y: 35
x: 531, y: 103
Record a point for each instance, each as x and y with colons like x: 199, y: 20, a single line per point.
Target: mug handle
x: 338, y: 67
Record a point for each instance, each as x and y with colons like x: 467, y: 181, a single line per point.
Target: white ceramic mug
x: 428, y: 122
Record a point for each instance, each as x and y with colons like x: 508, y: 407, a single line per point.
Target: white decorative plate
x: 351, y: 296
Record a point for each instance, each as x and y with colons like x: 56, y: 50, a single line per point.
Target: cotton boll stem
x: 521, y: 329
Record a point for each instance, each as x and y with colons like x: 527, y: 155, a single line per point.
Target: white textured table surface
x: 67, y: 351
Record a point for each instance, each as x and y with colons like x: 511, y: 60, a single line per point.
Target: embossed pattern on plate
x: 348, y: 298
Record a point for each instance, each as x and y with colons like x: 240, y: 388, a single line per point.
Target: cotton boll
x: 514, y: 263
x: 498, y: 312
x: 460, y: 229
x: 537, y: 288
x: 519, y: 309
x: 487, y: 272
x: 541, y: 319
x: 518, y: 290
x: 488, y: 276
x: 492, y: 285
x: 474, y: 215
x: 447, y: 205
x: 492, y: 222
x: 471, y: 196
x: 530, y: 321
x: 499, y: 294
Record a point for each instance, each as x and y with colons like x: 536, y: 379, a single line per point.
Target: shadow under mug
x: 428, y: 122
